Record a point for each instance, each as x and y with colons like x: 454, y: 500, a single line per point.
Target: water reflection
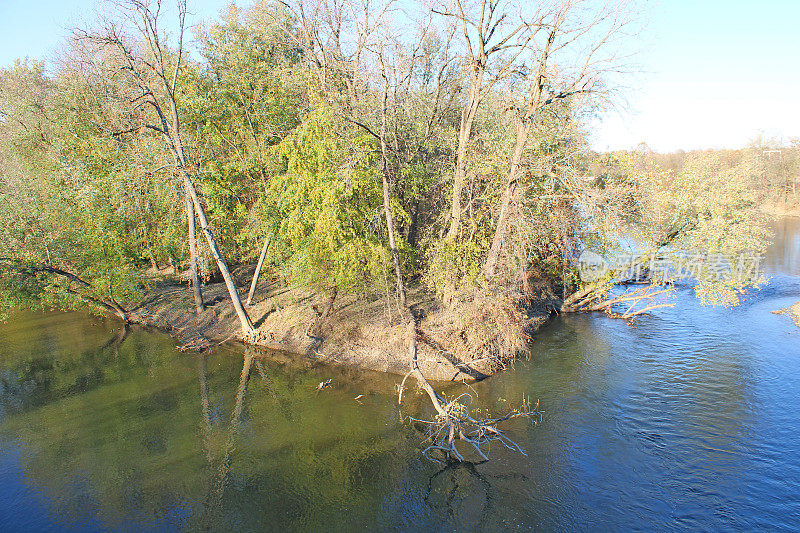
x: 783, y: 255
x: 689, y: 419
x: 160, y: 453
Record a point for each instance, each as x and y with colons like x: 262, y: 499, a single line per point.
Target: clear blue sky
x: 715, y: 72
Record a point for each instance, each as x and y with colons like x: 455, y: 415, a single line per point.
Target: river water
x: 687, y: 420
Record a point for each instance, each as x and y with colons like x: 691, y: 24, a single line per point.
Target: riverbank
x: 781, y: 209
x: 347, y: 330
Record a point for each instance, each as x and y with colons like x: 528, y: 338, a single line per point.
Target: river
x: 687, y: 420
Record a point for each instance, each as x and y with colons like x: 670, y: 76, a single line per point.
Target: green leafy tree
x: 64, y: 234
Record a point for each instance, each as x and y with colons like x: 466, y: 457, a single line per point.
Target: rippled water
x: 688, y: 420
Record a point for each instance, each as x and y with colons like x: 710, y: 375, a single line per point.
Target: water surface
x: 687, y: 420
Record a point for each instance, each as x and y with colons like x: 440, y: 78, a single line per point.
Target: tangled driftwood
x: 454, y: 422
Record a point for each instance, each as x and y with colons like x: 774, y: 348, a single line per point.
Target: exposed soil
x: 357, y: 331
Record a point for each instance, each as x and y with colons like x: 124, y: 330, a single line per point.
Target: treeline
x: 348, y: 144
x: 772, y: 166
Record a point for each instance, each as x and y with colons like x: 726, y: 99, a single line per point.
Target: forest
x: 379, y: 149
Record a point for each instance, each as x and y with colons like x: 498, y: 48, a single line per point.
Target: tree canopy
x: 291, y: 117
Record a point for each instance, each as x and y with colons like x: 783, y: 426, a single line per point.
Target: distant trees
x: 772, y: 166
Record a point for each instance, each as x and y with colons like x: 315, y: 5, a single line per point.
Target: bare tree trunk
x: 258, y: 270
x: 464, y: 132
x: 257, y: 273
x: 180, y: 158
x: 591, y: 293
x: 483, y: 43
x: 525, y: 122
x: 387, y: 205
x: 387, y: 210
x: 195, y: 278
x: 490, y: 266
x: 118, y: 310
x: 145, y: 16
x: 244, y: 318
x: 452, y: 422
x: 108, y: 305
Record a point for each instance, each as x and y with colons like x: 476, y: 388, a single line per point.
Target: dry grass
x: 485, y: 330
x: 494, y: 326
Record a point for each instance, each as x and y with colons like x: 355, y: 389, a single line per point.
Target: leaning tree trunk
x: 267, y: 242
x: 257, y: 273
x: 244, y: 318
x: 464, y: 132
x: 195, y: 278
x: 592, y: 296
x: 490, y: 266
x: 107, y: 304
x: 525, y: 122
x: 387, y: 210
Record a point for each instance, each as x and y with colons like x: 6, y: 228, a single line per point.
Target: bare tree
x: 153, y: 72
x: 570, y: 51
x: 454, y: 423
x: 334, y: 36
x: 491, y: 45
x: 387, y: 205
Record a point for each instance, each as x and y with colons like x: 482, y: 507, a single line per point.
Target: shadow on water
x: 686, y: 420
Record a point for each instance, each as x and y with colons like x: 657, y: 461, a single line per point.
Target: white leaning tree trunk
x: 153, y: 76
x: 257, y: 272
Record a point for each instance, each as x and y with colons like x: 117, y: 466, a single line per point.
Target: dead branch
x: 454, y: 422
x: 594, y: 298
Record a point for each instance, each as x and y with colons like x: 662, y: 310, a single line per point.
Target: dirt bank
x: 351, y: 330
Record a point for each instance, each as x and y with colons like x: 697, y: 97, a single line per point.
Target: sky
x: 711, y: 74
x: 714, y: 74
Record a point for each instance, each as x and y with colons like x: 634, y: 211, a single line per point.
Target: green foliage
x: 244, y: 100
x: 329, y: 207
x: 710, y: 207
x: 455, y: 265
x: 282, y: 138
x: 62, y: 203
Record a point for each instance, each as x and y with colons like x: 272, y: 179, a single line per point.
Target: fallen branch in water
x: 454, y: 422
x: 595, y: 298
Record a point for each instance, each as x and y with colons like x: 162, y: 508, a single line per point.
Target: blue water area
x: 685, y: 420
